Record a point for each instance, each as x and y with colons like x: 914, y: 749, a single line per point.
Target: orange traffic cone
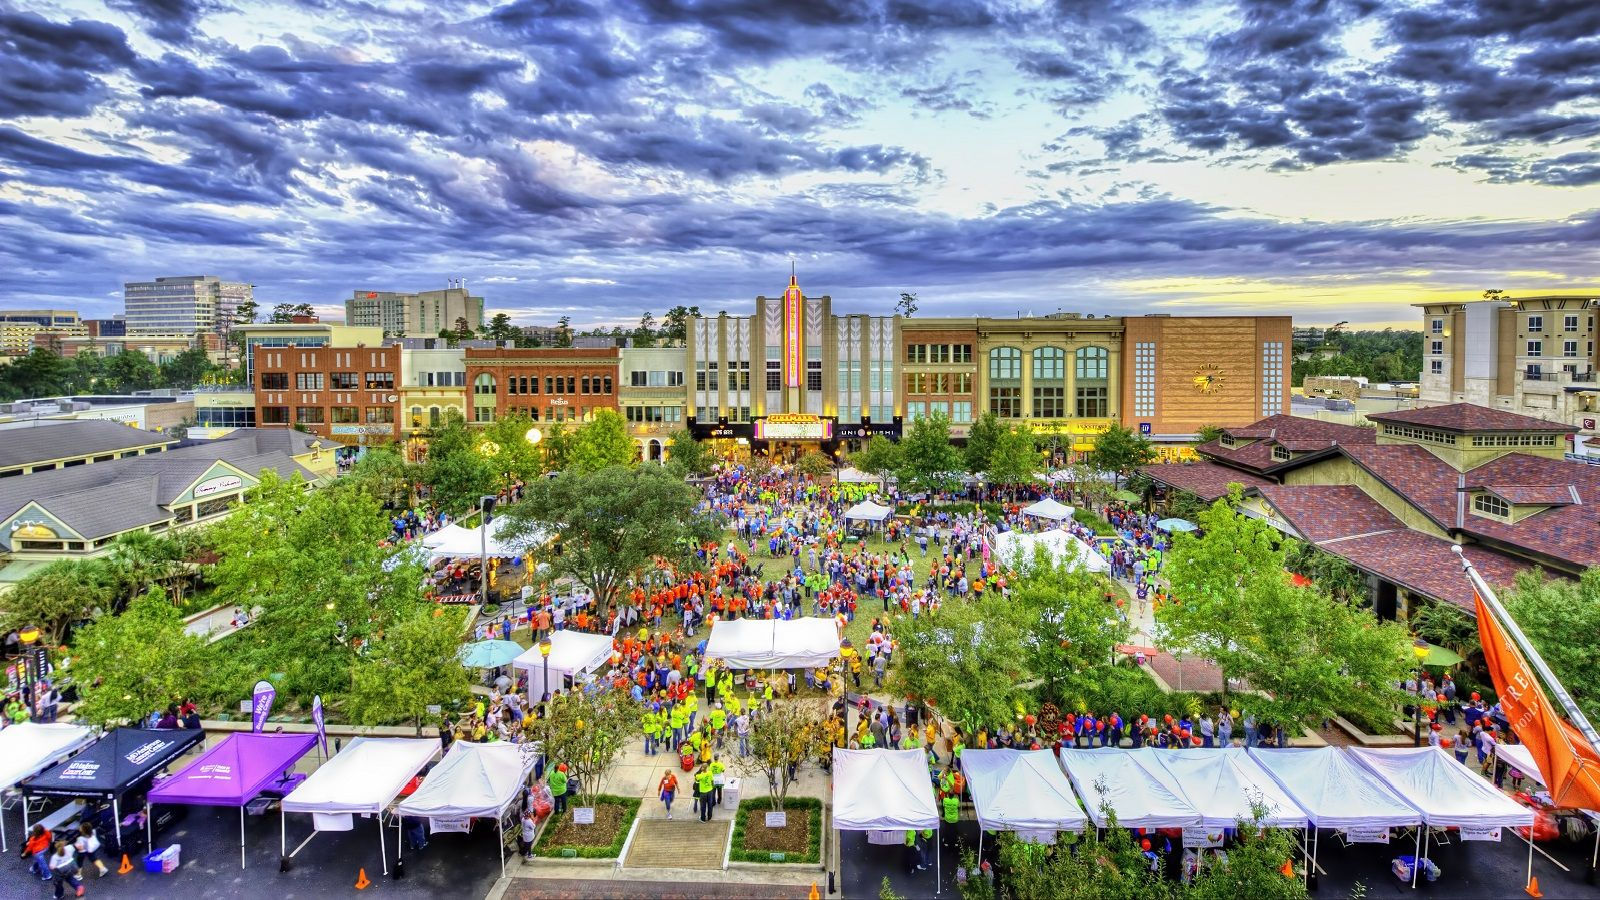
x: 1533, y: 887
x: 126, y: 866
x: 362, y: 880
x: 813, y: 895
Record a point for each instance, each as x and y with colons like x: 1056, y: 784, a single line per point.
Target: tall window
x: 1091, y: 365
x: 483, y: 384
x: 1005, y: 382
x: 1049, y: 382
x: 1536, y: 323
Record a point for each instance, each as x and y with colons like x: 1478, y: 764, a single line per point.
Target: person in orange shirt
x: 667, y: 789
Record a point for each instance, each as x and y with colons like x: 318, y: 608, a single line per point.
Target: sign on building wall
x: 792, y: 302
x: 794, y: 427
x: 361, y: 429
x: 217, y: 485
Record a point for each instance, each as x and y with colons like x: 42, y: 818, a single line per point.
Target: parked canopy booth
x: 1019, y: 547
x: 453, y: 540
x: 806, y: 643
x: 1337, y: 793
x: 884, y: 790
x: 1447, y: 793
x: 121, y: 762
x: 1223, y: 784
x: 572, y: 655
x: 234, y: 772
x: 473, y: 781
x: 852, y: 475
x: 1140, y: 797
x: 867, y: 511
x: 1048, y: 508
x: 28, y: 748
x: 1022, y: 791
x: 363, y: 778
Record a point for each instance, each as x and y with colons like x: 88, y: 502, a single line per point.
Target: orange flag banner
x: 1569, y: 764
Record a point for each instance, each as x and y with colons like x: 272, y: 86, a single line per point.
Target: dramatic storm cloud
x: 1333, y: 158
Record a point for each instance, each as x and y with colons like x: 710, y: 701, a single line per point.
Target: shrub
x: 737, y: 853
x: 630, y: 806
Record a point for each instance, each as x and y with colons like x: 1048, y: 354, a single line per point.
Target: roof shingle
x: 1205, y: 480
x: 1468, y: 417
x: 47, y: 439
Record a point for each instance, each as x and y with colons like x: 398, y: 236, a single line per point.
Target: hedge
x: 631, y: 804
x: 813, y: 854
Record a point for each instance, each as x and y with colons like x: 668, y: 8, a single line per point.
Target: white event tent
x: 883, y: 790
x: 1021, y: 790
x: 453, y: 540
x: 1019, y: 547
x: 472, y: 781
x: 852, y: 475
x: 572, y: 654
x: 1048, y: 508
x: 1447, y: 793
x: 805, y: 643
x: 1223, y: 784
x: 28, y: 748
x: 363, y: 778
x: 867, y: 511
x: 1141, y: 797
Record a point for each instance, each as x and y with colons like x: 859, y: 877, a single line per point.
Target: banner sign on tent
x: 583, y: 815
x: 261, y: 705
x: 777, y: 819
x: 1480, y: 832
x: 441, y: 824
x: 1202, y: 836
x: 333, y: 821
x: 1041, y: 836
x: 887, y: 838
x: 316, y: 719
x: 1366, y: 834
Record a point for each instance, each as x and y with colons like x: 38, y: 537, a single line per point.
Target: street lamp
x: 544, y: 651
x: 29, y: 635
x: 486, y: 504
x: 1419, y: 649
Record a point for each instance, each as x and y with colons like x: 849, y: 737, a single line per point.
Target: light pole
x: 486, y: 504
x: 29, y: 635
x: 1419, y: 649
x: 544, y: 651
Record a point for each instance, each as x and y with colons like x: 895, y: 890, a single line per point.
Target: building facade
x: 308, y: 333
x: 551, y: 385
x: 420, y: 314
x: 1535, y: 356
x: 184, y: 304
x: 650, y: 395
x: 433, y: 383
x: 348, y: 394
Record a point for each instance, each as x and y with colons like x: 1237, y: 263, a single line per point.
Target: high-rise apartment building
x: 421, y: 314
x: 184, y: 304
x: 1535, y: 356
x: 22, y: 329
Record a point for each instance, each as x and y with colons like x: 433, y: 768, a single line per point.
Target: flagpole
x: 1557, y: 689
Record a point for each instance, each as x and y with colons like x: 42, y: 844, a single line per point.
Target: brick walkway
x: 596, y: 889
x: 1187, y: 674
x: 678, y: 844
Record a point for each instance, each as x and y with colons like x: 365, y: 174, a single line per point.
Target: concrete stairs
x: 686, y: 843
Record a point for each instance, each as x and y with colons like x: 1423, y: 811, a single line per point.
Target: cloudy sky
x: 1331, y: 160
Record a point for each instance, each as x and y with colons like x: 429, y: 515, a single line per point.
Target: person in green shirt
x: 692, y: 706
x: 952, y: 808
x: 717, y: 768
x: 557, y: 781
x: 678, y: 718
x: 703, y: 787
x: 719, y: 721
x: 766, y: 695
x: 868, y: 741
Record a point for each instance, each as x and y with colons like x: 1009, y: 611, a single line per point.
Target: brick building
x: 549, y: 384
x: 349, y: 394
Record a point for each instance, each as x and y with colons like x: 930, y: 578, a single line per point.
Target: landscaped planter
x: 799, y: 841
x: 613, y: 816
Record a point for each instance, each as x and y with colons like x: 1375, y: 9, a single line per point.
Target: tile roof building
x: 1392, y: 500
x: 44, y: 445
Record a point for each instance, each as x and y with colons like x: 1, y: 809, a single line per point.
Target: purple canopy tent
x: 233, y: 773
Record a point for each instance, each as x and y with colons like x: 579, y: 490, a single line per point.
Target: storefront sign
x: 794, y: 428
x: 862, y: 432
x: 1144, y: 427
x: 792, y: 302
x: 560, y: 401
x: 387, y: 428
x: 218, y: 485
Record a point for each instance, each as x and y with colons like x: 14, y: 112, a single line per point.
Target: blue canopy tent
x: 1174, y: 525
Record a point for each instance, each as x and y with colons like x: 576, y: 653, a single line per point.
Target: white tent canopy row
x: 364, y: 778
x: 1048, y: 508
x: 852, y: 475
x: 454, y: 540
x: 572, y: 655
x: 1140, y: 796
x: 28, y: 748
x: 1444, y: 791
x: 1225, y: 785
x: 1021, y: 790
x: 806, y: 643
x: 1335, y: 790
x: 867, y: 511
x: 884, y: 790
x: 1019, y: 547
x: 472, y: 781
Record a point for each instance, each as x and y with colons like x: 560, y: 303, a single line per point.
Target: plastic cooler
x: 164, y: 861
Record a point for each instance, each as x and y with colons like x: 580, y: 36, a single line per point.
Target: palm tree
x: 141, y: 560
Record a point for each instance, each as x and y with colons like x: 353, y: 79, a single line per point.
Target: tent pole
x: 938, y: 854
x: 980, y: 843
x: 116, y: 818
x: 241, y: 837
x: 1529, y: 879
x: 149, y: 828
x: 502, y: 822
x: 1416, y: 855
x: 383, y: 848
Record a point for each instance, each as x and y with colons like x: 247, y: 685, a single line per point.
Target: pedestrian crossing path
x: 678, y: 844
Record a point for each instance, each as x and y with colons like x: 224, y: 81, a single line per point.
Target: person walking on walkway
x: 558, y: 787
x: 668, y: 789
x: 64, y: 866
x: 704, y: 788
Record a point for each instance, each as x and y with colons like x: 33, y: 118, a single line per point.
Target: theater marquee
x: 794, y: 427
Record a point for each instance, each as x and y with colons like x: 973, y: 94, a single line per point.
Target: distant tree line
x: 1378, y: 356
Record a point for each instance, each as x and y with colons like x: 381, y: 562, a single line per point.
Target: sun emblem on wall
x: 1208, y: 380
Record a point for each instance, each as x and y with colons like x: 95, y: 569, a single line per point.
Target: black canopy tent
x: 123, y: 760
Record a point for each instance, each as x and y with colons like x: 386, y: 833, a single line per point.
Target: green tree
x: 880, y: 456
x: 645, y: 334
x: 311, y: 562
x: 1014, y: 461
x: 965, y: 660
x: 455, y: 469
x: 58, y: 596
x: 141, y: 561
x: 557, y: 444
x: 187, y: 369
x: 928, y: 461
x: 675, y: 325
x: 38, y: 374
x: 515, y: 459
x: 1121, y: 450
x: 130, y: 665
x: 245, y: 313
x: 814, y: 464
x: 564, y: 335
x: 906, y: 306
x: 1205, y: 434
x: 282, y: 313
x: 411, y: 665
x: 790, y: 734
x: 1552, y: 614
x: 610, y: 524
x: 1076, y: 631
x: 586, y: 732
x: 130, y: 371
x: 385, y: 474
x: 981, y: 439
x: 687, y: 456
x: 501, y: 329
x: 601, y: 442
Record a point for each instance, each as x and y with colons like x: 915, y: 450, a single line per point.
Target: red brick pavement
x: 607, y: 889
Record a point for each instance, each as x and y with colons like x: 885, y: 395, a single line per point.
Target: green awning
x: 1441, y: 656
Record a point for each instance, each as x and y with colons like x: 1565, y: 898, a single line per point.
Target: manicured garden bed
x: 603, y: 839
x: 799, y: 841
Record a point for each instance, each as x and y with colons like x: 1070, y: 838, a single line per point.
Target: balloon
x: 516, y: 560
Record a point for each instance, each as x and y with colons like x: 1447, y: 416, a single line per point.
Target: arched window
x: 433, y: 417
x: 1049, y: 382
x: 483, y: 384
x: 1092, y: 400
x: 1005, y: 382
